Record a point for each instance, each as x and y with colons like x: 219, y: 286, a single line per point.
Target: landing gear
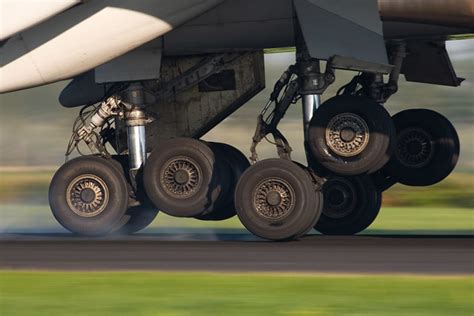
x: 427, y: 148
x: 88, y: 196
x: 354, y: 150
x: 184, y: 178
x: 351, y: 135
x: 277, y: 200
x: 350, y: 205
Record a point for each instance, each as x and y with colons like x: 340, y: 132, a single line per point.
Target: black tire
x: 93, y: 205
x: 271, y: 183
x: 350, y: 205
x: 194, y: 163
x: 237, y: 163
x: 140, y: 211
x: 365, y: 151
x: 434, y: 151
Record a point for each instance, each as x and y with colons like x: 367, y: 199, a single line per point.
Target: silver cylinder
x: 136, y: 146
x: 311, y: 103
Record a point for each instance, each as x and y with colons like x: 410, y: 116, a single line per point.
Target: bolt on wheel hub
x: 347, y: 134
x: 274, y: 198
x: 181, y: 177
x: 87, y: 195
x: 415, y: 148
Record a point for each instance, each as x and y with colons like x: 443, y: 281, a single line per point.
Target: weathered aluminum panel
x: 195, y: 111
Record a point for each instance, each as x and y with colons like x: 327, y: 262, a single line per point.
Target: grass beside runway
x: 154, y: 293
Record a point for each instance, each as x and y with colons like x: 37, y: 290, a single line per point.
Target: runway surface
x: 241, y: 253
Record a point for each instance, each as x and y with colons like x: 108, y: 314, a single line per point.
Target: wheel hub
x: 181, y: 177
x: 87, y: 195
x: 347, y: 134
x: 340, y: 198
x: 274, y: 198
x: 415, y: 148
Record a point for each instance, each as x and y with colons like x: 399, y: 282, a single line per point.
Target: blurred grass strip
x: 25, y: 186
x: 154, y: 293
x: 391, y: 220
x: 456, y: 192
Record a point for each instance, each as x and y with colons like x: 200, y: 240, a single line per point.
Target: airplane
x: 152, y: 77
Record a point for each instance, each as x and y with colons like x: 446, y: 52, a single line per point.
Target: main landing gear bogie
x: 354, y: 150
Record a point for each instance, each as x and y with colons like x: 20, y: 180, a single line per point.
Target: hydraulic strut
x: 95, y: 123
x: 303, y: 80
x: 267, y: 124
x: 136, y: 120
x: 89, y: 126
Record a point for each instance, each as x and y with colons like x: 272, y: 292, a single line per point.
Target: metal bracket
x: 373, y: 85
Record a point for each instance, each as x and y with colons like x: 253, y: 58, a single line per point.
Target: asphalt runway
x: 240, y: 253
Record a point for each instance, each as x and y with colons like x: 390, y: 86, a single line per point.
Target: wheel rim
x: 340, y: 198
x: 415, y: 148
x: 347, y: 135
x: 181, y: 177
x: 87, y: 195
x: 274, y: 199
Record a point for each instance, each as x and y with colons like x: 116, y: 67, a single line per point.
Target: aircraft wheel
x: 351, y: 135
x: 350, y: 205
x: 88, y: 196
x: 237, y: 163
x: 275, y: 199
x: 184, y: 178
x: 427, y: 148
x: 140, y: 212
